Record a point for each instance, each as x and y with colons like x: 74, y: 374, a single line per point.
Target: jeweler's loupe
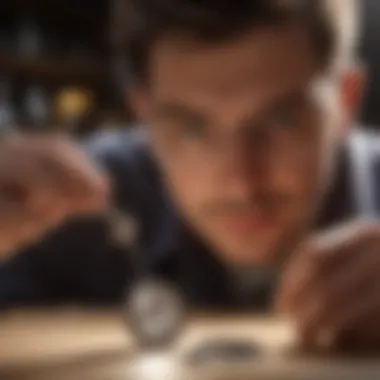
x: 154, y: 309
x: 156, y: 313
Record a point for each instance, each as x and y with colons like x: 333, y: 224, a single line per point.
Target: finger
x: 73, y: 177
x: 364, y: 333
x: 357, y: 327
x: 335, y: 303
x: 333, y: 289
x: 323, y: 265
x: 28, y: 191
x: 329, y: 248
x: 298, y: 273
x: 18, y: 173
x: 55, y: 166
x: 22, y: 177
x: 19, y: 226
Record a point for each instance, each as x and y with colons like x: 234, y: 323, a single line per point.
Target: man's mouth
x: 252, y: 223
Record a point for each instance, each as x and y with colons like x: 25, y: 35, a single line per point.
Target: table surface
x: 95, y: 345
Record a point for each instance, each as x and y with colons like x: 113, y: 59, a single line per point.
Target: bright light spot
x: 155, y: 366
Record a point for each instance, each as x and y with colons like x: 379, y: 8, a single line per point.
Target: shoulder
x: 364, y: 155
x: 366, y: 136
x: 364, y: 146
x: 117, y: 147
x: 126, y: 157
x: 124, y: 153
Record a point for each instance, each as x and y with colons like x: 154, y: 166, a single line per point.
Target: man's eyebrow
x: 295, y: 96
x: 174, y: 110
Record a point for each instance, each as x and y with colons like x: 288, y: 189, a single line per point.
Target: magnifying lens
x: 154, y: 308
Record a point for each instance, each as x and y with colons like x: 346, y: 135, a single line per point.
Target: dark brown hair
x: 137, y: 24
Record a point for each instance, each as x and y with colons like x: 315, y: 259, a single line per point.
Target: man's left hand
x: 331, y: 289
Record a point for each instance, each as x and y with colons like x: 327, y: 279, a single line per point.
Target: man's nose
x: 244, y: 170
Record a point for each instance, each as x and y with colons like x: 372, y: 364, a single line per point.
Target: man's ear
x: 352, y: 91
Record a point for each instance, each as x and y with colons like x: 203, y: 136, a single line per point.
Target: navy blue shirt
x: 80, y: 262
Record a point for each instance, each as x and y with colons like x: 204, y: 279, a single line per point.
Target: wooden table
x: 94, y: 345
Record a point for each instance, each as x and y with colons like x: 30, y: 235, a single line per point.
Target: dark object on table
x: 224, y: 351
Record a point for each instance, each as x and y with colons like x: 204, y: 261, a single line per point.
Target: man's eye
x: 284, y: 118
x: 193, y: 129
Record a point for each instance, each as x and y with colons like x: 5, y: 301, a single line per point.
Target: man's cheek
x: 303, y: 176
x: 301, y: 197
x: 186, y: 179
x: 187, y: 191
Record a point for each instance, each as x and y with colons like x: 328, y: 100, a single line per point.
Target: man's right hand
x: 43, y: 181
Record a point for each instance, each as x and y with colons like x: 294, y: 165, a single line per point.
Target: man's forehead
x: 260, y: 57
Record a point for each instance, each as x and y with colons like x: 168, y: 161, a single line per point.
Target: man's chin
x: 273, y: 248
x: 259, y: 254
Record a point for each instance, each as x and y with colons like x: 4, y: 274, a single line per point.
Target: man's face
x: 239, y: 129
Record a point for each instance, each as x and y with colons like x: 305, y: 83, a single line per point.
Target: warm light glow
x: 155, y: 366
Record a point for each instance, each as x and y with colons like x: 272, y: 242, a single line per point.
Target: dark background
x: 370, y: 51
x: 50, y: 47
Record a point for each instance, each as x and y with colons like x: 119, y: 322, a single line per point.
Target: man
x: 243, y: 159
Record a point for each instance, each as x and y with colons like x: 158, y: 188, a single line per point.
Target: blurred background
x: 55, y: 70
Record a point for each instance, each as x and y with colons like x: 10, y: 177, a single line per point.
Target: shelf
x: 83, y: 70
x: 92, y: 9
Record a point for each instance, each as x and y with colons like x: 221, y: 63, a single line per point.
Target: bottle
x: 30, y: 43
x: 37, y: 107
x: 72, y: 108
